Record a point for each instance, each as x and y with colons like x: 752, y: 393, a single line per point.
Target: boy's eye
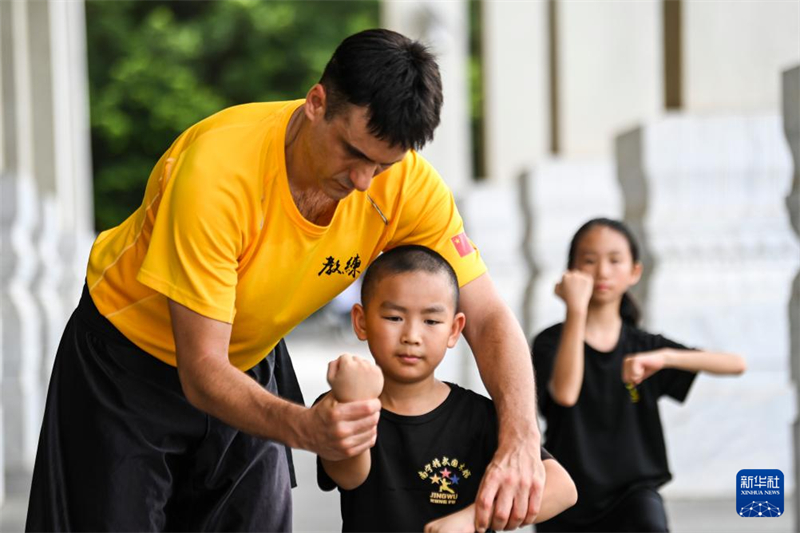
x: 392, y: 318
x: 432, y: 322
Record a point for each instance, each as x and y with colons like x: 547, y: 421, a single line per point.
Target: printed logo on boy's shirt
x: 446, y: 475
x: 462, y: 244
x: 331, y: 266
x: 759, y: 493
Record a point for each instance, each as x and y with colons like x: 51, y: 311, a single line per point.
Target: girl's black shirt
x: 611, y: 440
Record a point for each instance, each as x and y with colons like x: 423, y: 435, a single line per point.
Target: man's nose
x: 362, y: 175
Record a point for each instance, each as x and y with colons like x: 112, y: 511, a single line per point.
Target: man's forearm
x: 503, y: 359
x: 239, y: 401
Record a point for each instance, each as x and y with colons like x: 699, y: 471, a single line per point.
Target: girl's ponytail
x: 629, y: 310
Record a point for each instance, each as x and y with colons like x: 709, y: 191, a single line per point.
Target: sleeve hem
x: 682, y: 391
x: 475, y: 273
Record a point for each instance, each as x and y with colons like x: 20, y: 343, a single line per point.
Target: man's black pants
x: 121, y: 449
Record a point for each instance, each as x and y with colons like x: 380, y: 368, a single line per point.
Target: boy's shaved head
x: 409, y: 258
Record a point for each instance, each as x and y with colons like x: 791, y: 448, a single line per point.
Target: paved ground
x: 315, y: 511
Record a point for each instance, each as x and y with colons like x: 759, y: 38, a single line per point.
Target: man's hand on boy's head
x: 353, y: 379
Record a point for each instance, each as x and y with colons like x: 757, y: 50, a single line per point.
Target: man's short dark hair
x: 409, y: 258
x: 395, y: 78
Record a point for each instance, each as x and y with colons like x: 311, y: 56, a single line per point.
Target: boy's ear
x: 359, y: 321
x: 458, y: 326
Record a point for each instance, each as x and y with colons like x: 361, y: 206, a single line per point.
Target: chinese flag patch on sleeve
x: 462, y: 244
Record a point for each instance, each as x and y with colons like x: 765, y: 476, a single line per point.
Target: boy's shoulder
x: 469, y: 399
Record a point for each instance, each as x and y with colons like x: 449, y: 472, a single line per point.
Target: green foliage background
x: 157, y: 67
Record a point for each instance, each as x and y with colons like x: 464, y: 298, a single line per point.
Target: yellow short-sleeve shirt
x: 219, y: 232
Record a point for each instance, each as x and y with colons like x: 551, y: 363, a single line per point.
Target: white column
x: 48, y: 235
x: 558, y: 197
x: 69, y: 127
x: 493, y: 216
x: 22, y: 334
x: 706, y: 196
x: 791, y: 128
x: 516, y: 87
x: 609, y: 72
x: 443, y: 26
x: 732, y: 51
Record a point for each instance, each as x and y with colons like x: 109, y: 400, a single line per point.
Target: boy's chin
x: 406, y: 378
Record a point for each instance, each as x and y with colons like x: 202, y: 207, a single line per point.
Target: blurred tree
x: 157, y: 67
x: 476, y: 88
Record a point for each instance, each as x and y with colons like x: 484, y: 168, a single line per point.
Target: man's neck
x: 413, y: 399
x: 313, y: 203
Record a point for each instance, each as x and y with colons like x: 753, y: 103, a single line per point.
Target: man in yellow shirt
x: 164, y: 409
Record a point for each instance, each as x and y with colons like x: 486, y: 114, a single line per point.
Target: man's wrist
x: 519, y: 433
x: 294, y: 418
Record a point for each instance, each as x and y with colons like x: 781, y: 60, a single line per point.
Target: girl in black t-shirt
x: 599, y: 378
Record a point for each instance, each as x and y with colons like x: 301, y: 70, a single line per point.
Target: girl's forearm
x: 565, y: 383
x: 702, y: 361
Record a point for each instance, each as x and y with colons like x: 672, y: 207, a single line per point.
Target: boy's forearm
x: 559, y: 491
x: 701, y: 361
x: 462, y: 521
x: 349, y: 473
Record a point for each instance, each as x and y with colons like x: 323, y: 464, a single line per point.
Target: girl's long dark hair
x: 628, y: 309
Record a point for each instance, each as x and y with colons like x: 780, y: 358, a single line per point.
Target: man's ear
x: 316, y: 103
x: 458, y: 326
x: 359, y: 321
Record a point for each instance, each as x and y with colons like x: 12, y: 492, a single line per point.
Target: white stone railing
x: 791, y: 128
x: 706, y: 196
x: 46, y: 217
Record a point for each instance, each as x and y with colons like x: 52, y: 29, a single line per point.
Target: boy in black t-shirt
x: 434, y: 439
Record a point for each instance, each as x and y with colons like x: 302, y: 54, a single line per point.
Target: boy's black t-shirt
x: 423, y: 467
x: 611, y: 441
